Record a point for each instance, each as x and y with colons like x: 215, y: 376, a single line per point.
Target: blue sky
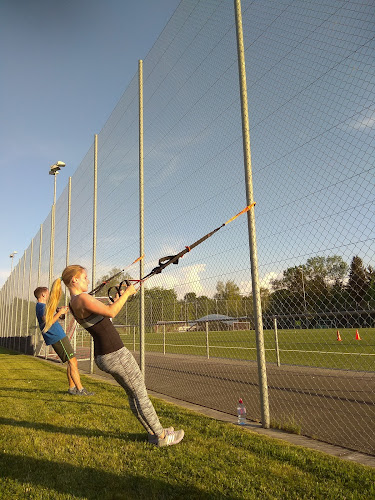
x: 310, y: 76
x: 64, y: 66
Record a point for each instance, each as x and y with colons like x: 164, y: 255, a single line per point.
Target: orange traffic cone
x: 357, y: 337
x: 339, y: 336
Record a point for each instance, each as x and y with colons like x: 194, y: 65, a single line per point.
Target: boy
x: 60, y: 342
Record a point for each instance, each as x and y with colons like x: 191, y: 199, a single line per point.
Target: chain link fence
x: 310, y: 83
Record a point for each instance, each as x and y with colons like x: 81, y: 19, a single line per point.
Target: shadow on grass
x: 4, y: 350
x: 66, y: 398
x: 78, y: 431
x: 91, y: 483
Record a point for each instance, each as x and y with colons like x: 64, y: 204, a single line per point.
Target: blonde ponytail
x: 53, y: 300
x: 68, y: 274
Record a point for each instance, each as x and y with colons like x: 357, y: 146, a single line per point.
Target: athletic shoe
x: 84, y: 392
x: 72, y: 391
x: 153, y: 439
x: 170, y: 438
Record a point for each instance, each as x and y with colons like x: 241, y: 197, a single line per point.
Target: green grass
x: 55, y: 446
x: 314, y: 348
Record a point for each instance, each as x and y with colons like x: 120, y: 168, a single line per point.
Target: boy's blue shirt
x: 55, y: 333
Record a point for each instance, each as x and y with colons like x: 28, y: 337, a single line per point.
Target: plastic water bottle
x: 241, y: 413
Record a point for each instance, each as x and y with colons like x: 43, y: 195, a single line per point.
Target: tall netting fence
x: 310, y: 86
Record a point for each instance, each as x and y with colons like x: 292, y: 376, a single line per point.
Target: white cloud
x: 365, y: 122
x: 265, y: 282
x: 187, y: 279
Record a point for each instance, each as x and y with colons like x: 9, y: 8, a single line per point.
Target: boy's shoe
x: 84, y: 392
x: 72, y: 391
x: 170, y: 438
x: 153, y: 439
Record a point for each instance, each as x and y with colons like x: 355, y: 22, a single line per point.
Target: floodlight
x: 54, y: 169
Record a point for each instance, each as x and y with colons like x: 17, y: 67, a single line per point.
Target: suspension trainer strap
x: 173, y: 259
x: 166, y: 261
x: 99, y: 287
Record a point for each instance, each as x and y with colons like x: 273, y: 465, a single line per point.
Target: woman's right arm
x: 87, y: 304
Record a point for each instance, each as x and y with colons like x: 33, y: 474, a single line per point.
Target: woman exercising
x: 110, y: 354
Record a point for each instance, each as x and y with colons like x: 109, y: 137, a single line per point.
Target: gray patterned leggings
x: 125, y: 370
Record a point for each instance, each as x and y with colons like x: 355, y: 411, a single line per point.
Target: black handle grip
x: 117, y: 288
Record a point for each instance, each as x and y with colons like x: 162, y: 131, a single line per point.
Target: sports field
x: 313, y: 348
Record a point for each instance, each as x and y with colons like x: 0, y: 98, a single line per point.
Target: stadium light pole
x: 54, y: 170
x: 12, y: 257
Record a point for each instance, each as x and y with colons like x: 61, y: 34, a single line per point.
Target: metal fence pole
x: 68, y: 244
x: 207, y: 342
x: 93, y: 276
x: 75, y: 337
x: 29, y: 295
x: 40, y: 255
x: 6, y: 306
x: 12, y: 308
x: 23, y: 291
x: 15, y: 304
x: 3, y: 313
x: 164, y: 339
x: 126, y: 313
x: 4, y: 293
x: 9, y: 301
x: 276, y: 341
x: 141, y: 225
x: 262, y: 373
x: 52, y: 237
x: 10, y: 313
x: 7, y: 324
x: 37, y: 284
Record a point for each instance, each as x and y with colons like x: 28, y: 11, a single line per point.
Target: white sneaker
x: 153, y: 439
x: 170, y: 438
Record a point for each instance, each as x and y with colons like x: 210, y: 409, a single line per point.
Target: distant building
x: 220, y: 322
x: 216, y: 323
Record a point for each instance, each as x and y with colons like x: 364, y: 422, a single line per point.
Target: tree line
x: 323, y: 287
x: 320, y: 286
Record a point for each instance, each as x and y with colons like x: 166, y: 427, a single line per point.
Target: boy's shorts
x: 64, y: 349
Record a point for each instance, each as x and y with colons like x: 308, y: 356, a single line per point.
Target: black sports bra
x: 106, y: 337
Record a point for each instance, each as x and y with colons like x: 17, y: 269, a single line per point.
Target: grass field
x: 56, y: 446
x: 314, y: 348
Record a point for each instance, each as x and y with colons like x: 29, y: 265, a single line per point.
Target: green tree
x: 311, y: 287
x: 318, y: 272
x: 227, y: 291
x: 227, y: 298
x: 190, y: 297
x: 358, y: 281
x: 293, y: 279
x: 325, y: 271
x: 160, y: 304
x: 204, y: 306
